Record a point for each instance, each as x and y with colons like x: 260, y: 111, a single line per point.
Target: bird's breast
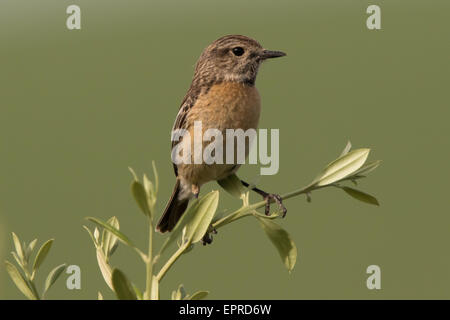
x: 227, y: 105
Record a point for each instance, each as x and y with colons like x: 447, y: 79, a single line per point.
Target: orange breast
x: 224, y: 106
x: 227, y: 105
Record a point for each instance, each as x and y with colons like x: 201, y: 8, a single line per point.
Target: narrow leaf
x: 30, y: 248
x: 346, y: 149
x: 91, y: 235
x: 18, y: 246
x: 137, y: 292
x: 369, y: 167
x: 19, y: 281
x: 148, y: 185
x: 361, y: 196
x: 99, y: 296
x: 109, y: 240
x: 16, y: 257
x: 282, y: 241
x: 201, y: 216
x: 181, y: 292
x: 104, y: 267
x: 139, y: 194
x: 113, y: 230
x: 199, y: 295
x: 42, y: 254
x: 53, y: 276
x: 96, y: 235
x: 133, y: 173
x: 195, y: 222
x: 156, y: 177
x: 342, y: 167
x: 122, y: 287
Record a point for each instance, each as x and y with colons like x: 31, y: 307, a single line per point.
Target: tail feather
x: 173, y: 212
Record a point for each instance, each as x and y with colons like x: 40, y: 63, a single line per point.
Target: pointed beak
x: 268, y: 54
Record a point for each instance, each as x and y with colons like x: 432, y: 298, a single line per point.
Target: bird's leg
x: 269, y: 198
x: 195, y: 190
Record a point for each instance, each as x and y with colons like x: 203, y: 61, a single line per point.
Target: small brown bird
x: 223, y: 96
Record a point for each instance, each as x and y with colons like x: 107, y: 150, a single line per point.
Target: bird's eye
x: 238, y: 51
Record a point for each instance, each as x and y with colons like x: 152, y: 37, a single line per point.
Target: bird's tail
x: 173, y: 212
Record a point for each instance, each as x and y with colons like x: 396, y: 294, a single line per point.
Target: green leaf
x: 148, y: 185
x: 361, y: 196
x: 140, y: 195
x: 42, y: 254
x: 233, y: 185
x: 113, y: 230
x: 122, y: 287
x: 369, y: 167
x: 155, y: 175
x: 138, y: 292
x: 16, y: 257
x: 199, y: 295
x: 19, y: 281
x: 133, y: 173
x: 346, y: 149
x: 199, y: 217
x: 18, y: 246
x: 195, y: 222
x: 342, y: 167
x: 96, y: 235
x: 91, y: 235
x: 282, y: 241
x: 151, y: 194
x: 109, y: 240
x: 179, y: 294
x: 30, y: 248
x: 53, y: 276
x: 105, y: 268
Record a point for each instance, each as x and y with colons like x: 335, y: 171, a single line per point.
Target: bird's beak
x: 268, y: 54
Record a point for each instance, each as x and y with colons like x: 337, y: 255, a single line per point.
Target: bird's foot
x: 208, y: 238
x: 271, y: 197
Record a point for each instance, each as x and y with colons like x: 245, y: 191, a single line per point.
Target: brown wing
x: 180, y: 122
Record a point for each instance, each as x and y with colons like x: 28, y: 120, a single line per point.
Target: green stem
x: 34, y: 290
x: 247, y: 210
x: 149, y: 262
x: 171, y: 261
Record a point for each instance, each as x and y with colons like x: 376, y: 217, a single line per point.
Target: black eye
x: 238, y: 51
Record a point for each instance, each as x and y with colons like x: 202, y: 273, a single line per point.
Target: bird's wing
x: 180, y: 122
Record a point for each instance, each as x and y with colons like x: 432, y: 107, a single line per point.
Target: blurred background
x: 78, y: 107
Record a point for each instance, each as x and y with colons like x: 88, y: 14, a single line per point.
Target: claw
x: 207, y: 239
x: 275, y: 198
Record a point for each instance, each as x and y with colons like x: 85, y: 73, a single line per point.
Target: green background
x: 78, y: 107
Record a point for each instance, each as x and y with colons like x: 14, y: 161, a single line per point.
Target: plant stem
x: 171, y: 261
x: 149, y: 262
x: 246, y: 210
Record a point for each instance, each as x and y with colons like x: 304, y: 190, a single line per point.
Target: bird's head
x: 232, y: 58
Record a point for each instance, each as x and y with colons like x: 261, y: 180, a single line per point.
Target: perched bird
x: 222, y: 95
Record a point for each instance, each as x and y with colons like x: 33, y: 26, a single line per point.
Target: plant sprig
x: 24, y: 276
x: 199, y: 220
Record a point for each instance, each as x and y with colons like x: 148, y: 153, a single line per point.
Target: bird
x: 222, y: 95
